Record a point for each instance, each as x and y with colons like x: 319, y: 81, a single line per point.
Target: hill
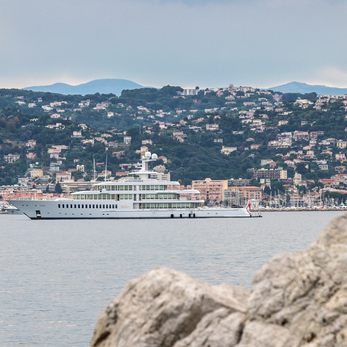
x: 229, y: 132
x: 102, y: 86
x: 304, y: 88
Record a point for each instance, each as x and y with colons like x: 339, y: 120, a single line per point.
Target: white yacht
x: 139, y: 195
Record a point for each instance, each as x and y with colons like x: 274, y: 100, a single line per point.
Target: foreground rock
x: 296, y: 300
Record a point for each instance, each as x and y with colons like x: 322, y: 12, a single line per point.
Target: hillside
x: 219, y: 133
x: 102, y: 86
x: 303, y: 88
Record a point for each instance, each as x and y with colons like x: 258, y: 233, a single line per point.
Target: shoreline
x: 303, y: 209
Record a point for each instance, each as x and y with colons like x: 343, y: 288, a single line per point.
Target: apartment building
x: 211, y: 190
x: 240, y: 195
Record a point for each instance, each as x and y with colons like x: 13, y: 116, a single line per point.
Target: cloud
x: 331, y: 76
x: 186, y: 42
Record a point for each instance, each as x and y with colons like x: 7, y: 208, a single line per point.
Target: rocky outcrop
x: 296, y: 300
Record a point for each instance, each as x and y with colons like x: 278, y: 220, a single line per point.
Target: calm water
x: 57, y: 276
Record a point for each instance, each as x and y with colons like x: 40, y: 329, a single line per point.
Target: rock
x: 162, y: 308
x: 296, y: 300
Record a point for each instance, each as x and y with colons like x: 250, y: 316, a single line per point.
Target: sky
x: 206, y: 43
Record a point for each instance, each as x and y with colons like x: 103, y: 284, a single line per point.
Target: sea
x: 56, y: 277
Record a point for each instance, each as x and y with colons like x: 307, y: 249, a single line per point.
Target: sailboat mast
x: 94, y: 170
x: 106, y: 165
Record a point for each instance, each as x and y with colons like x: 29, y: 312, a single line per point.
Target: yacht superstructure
x: 139, y: 195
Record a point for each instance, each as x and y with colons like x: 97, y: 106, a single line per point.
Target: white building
x: 11, y: 158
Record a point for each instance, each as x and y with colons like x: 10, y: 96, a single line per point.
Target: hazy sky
x: 178, y: 42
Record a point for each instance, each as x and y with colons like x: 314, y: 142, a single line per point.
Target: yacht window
x: 70, y: 205
x: 58, y: 205
x: 93, y: 206
x: 103, y: 206
x: 74, y: 206
x: 62, y: 205
x: 79, y: 206
x: 90, y: 206
x: 67, y: 205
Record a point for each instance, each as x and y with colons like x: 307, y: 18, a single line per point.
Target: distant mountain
x: 303, y: 88
x: 102, y: 86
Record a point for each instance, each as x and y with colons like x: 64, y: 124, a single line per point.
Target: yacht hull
x: 48, y: 209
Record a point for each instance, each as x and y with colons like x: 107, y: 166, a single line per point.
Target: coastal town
x: 173, y: 173
x: 233, y: 145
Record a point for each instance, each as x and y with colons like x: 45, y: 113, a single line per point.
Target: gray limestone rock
x: 296, y: 300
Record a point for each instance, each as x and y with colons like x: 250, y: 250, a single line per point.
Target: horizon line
x: 75, y: 83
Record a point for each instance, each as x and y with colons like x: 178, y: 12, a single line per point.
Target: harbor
x: 173, y: 173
